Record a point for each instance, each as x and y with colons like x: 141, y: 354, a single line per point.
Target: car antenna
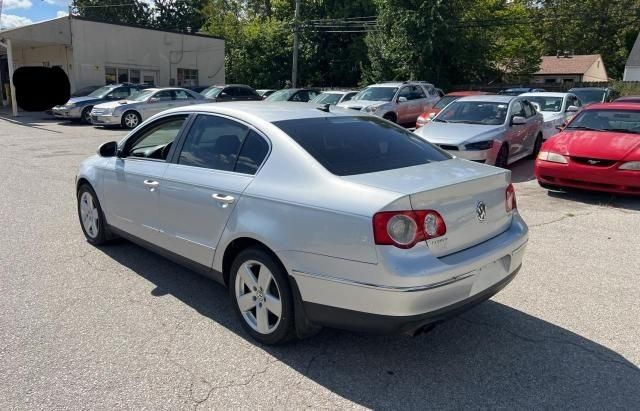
x: 324, y: 107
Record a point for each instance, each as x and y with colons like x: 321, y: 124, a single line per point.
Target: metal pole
x: 296, y: 44
x: 14, y: 105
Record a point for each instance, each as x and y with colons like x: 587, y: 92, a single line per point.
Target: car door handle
x: 225, y: 199
x: 151, y: 184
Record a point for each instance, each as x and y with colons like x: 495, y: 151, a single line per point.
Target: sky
x: 20, y: 12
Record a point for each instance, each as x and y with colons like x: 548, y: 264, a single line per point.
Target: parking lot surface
x: 120, y: 327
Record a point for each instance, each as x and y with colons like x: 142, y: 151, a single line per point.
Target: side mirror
x: 109, y: 149
x: 536, y: 105
x: 154, y: 99
x: 518, y: 120
x: 573, y: 109
x: 402, y: 100
x: 223, y: 95
x: 562, y: 127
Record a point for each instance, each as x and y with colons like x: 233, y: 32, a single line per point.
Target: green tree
x: 113, y: 11
x: 178, y: 15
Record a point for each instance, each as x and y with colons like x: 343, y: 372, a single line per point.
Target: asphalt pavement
x: 120, y: 327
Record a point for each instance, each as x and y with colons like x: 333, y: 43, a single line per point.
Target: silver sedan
x: 132, y: 111
x: 496, y: 130
x: 310, y: 216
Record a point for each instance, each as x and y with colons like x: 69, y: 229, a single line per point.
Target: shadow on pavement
x: 598, y: 198
x: 492, y: 356
x: 522, y: 171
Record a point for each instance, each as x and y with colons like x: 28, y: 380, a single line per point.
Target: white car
x: 399, y: 102
x: 556, y: 109
x: 129, y: 113
x: 333, y: 97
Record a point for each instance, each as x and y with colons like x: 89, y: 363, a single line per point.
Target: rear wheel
x: 262, y: 296
x: 502, y: 159
x: 130, y: 119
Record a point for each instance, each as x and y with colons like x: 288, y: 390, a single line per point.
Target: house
x: 632, y: 68
x: 96, y: 53
x: 566, y: 69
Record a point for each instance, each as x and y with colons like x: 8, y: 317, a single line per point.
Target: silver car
x: 491, y: 129
x: 398, y: 102
x: 129, y: 113
x: 310, y: 216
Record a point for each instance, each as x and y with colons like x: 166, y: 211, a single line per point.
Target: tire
x: 536, y: 146
x: 130, y: 119
x: 91, y: 217
x: 390, y: 117
x: 85, y: 115
x: 267, y: 285
x: 502, y: 159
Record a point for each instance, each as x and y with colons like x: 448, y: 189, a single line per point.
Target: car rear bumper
x: 105, y: 120
x: 572, y: 175
x: 465, y: 278
x: 387, y: 324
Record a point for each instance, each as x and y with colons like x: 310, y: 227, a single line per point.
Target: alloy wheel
x: 131, y: 120
x: 258, y: 297
x: 89, y: 215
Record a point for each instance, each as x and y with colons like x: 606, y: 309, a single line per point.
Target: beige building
x: 97, y: 53
x: 570, y: 69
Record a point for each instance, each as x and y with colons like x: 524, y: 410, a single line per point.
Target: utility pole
x: 296, y: 45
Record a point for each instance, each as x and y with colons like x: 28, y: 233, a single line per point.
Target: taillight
x: 510, y: 200
x: 403, y: 229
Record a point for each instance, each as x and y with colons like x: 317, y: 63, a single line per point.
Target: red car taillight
x: 510, y: 200
x: 403, y: 229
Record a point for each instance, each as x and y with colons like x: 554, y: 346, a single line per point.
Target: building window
x: 123, y: 75
x: 134, y: 76
x: 187, y: 77
x: 549, y: 81
x: 110, y: 75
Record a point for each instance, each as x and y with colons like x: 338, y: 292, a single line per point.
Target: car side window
x: 231, y: 91
x: 161, y: 96
x: 529, y: 111
x: 156, y: 139
x: 517, y: 109
x: 213, y: 142
x: 405, y: 92
x: 120, y: 93
x: 253, y: 152
x: 302, y: 95
x: 182, y: 95
x: 348, y: 96
x: 417, y: 92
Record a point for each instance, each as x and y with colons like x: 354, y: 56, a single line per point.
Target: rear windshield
x: 444, y: 101
x: 349, y: 145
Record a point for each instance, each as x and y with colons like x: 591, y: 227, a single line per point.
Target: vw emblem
x: 481, y: 211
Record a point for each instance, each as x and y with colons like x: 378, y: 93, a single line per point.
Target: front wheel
x: 502, y: 159
x: 85, y: 116
x: 91, y: 216
x: 262, y: 297
x: 130, y: 119
x: 536, y: 146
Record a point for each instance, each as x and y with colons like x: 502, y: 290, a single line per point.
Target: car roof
x: 400, y: 83
x: 269, y: 111
x: 467, y: 93
x: 588, y: 88
x: 491, y: 98
x: 544, y: 94
x: 613, y: 106
x: 339, y: 91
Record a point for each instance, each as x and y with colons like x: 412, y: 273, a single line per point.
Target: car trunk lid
x: 470, y: 197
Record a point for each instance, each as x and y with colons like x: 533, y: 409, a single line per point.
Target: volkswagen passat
x: 310, y: 216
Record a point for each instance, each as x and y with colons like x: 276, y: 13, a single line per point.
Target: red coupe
x: 598, y: 150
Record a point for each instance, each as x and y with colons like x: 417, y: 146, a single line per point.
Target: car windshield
x: 142, y: 96
x: 444, y: 101
x: 474, y: 112
x: 212, y: 92
x: 327, y: 98
x: 625, y: 121
x: 281, y: 95
x: 348, y: 145
x: 376, y: 94
x: 553, y: 104
x: 101, y: 92
x: 588, y: 96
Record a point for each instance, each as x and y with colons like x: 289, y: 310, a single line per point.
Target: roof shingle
x: 578, y: 64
